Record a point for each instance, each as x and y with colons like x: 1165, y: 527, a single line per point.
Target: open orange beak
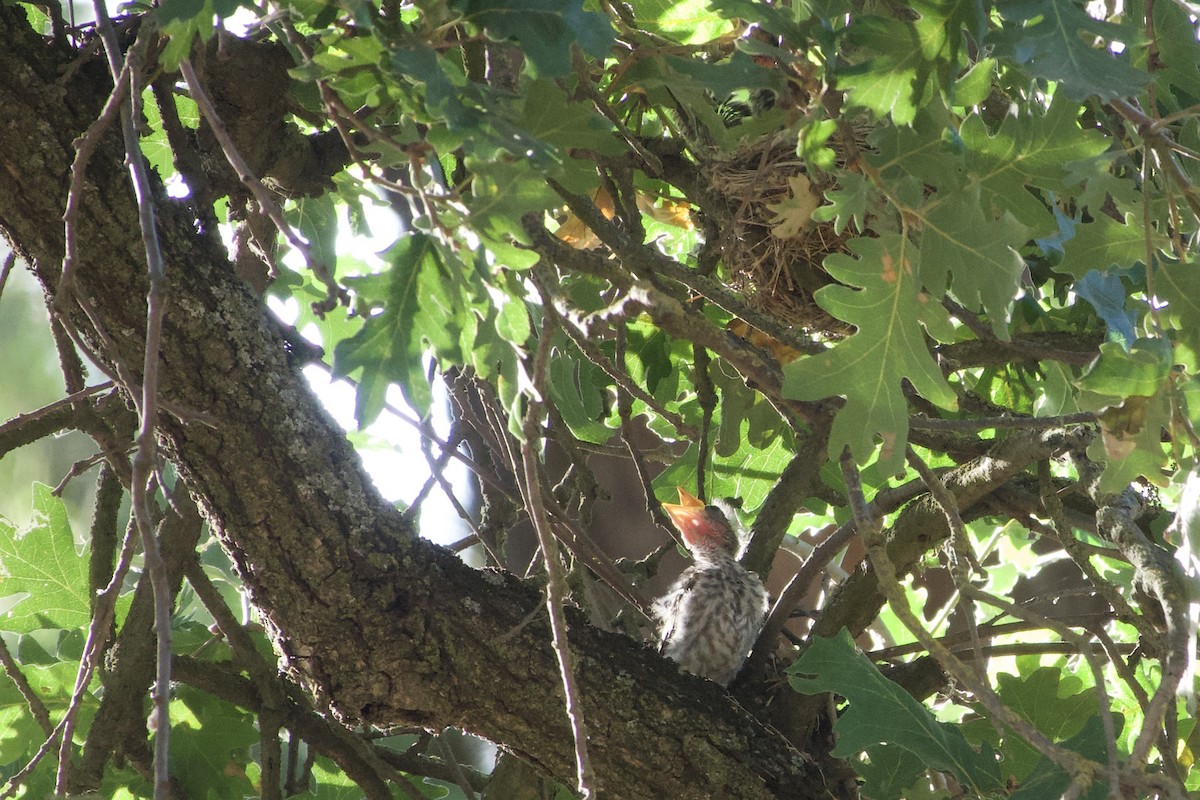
x: 689, y: 515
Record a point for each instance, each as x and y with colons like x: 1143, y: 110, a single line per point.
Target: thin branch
x: 85, y: 145
x: 1005, y: 421
x: 36, y: 707
x: 962, y: 555
x: 132, y: 66
x: 814, y: 566
x: 1081, y: 555
x: 1160, y: 576
x: 103, y: 614
x: 426, y: 430
x: 960, y: 641
x: 447, y: 754
x: 556, y: 581
x: 6, y: 269
x: 58, y: 415
x: 335, y: 294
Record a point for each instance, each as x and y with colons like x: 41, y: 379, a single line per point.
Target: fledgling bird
x: 713, y: 612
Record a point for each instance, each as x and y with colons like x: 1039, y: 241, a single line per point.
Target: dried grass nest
x: 772, y: 251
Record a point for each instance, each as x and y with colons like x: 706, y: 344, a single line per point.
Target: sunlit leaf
x: 889, y: 346
x: 41, y: 565
x: 1047, y: 37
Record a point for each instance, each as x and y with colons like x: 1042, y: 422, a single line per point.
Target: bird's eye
x: 714, y: 510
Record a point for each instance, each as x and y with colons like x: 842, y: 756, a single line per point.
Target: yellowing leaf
x: 668, y: 212
x: 792, y: 214
x: 575, y: 233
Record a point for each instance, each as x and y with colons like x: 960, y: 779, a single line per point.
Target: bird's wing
x: 667, y: 607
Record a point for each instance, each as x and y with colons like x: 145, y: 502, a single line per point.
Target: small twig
x: 470, y: 540
x: 447, y: 754
x: 625, y: 410
x: 21, y: 420
x: 79, y: 468
x: 437, y: 470
x: 706, y: 396
x: 426, y: 430
x: 960, y: 641
x: 6, y: 269
x: 556, y: 581
x: 335, y: 293
x: 147, y: 444
x: 651, y: 161
x: 36, y: 707
x: 103, y: 612
x: 85, y: 145
x: 961, y: 556
x: 981, y: 423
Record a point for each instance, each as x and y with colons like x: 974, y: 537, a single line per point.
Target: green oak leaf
x: 881, y: 712
x: 420, y: 308
x: 847, y: 202
x: 888, y: 346
x: 782, y: 20
x: 577, y: 388
x: 1117, y: 373
x: 501, y: 193
x: 1053, y: 39
x: 977, y: 253
x: 551, y: 116
x: 889, y: 83
x: 1050, y: 780
x: 923, y: 151
x: 1106, y: 293
x: 1055, y: 702
x: 975, y: 84
x: 1179, y: 53
x: 546, y: 29
x: 1130, y: 392
x: 748, y: 475
x: 1028, y: 151
x: 647, y: 355
x: 685, y: 21
x: 211, y: 743
x: 317, y: 220
x: 889, y: 772
x: 1104, y: 243
x: 42, y: 575
x: 1175, y: 283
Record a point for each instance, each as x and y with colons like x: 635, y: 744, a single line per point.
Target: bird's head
x: 706, y: 529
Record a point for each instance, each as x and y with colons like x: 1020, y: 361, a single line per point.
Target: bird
x: 709, y: 619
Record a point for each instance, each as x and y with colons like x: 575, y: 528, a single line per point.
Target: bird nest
x: 773, y: 250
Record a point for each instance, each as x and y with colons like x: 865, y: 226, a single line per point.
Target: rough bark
x: 381, y: 625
